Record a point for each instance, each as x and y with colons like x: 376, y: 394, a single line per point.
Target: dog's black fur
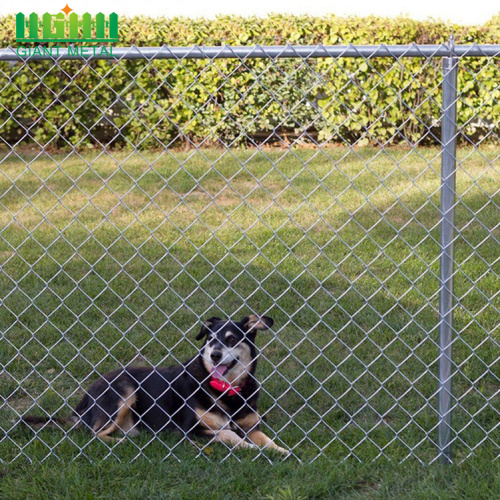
x: 181, y: 397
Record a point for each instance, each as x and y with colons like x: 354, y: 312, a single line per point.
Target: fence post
x: 448, y: 168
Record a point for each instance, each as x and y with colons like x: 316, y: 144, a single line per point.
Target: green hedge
x: 236, y: 102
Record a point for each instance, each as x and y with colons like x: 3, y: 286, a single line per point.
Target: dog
x: 213, y: 394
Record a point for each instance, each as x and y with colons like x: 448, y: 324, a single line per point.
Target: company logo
x: 66, y: 27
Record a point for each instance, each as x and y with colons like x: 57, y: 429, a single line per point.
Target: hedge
x: 201, y: 102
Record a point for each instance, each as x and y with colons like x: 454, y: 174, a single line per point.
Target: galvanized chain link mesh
x: 131, y: 214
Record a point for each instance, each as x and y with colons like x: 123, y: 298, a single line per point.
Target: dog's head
x: 229, y: 352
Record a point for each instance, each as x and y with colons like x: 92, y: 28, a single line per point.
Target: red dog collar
x: 225, y: 387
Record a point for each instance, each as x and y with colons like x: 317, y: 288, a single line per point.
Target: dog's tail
x: 49, y: 422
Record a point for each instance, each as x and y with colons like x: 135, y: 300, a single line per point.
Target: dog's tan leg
x: 104, y: 434
x: 216, y: 426
x: 123, y: 421
x: 230, y: 437
x: 248, y: 425
x: 262, y: 441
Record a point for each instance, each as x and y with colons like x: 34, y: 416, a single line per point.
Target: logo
x: 66, y: 28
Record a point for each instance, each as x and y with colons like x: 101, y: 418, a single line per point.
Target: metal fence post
x: 448, y: 168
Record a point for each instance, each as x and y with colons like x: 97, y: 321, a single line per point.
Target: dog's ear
x: 254, y: 322
x: 205, y: 329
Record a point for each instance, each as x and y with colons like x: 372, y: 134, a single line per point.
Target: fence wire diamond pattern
x: 143, y: 194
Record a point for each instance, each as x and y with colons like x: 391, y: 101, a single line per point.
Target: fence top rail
x: 247, y: 52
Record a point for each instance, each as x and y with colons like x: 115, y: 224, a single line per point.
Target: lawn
x: 113, y: 258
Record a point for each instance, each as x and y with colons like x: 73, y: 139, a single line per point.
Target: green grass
x: 249, y: 479
x: 105, y: 257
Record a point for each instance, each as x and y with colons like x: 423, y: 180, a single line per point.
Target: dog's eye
x: 232, y: 341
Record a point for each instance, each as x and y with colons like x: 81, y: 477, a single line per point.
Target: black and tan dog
x: 213, y: 394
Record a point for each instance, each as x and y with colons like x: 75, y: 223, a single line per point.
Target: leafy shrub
x: 166, y: 102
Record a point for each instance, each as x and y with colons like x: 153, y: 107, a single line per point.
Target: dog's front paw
x: 283, y: 451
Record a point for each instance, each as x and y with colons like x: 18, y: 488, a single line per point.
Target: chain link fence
x: 350, y: 193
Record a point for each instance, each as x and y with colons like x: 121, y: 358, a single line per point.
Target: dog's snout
x: 216, y: 356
